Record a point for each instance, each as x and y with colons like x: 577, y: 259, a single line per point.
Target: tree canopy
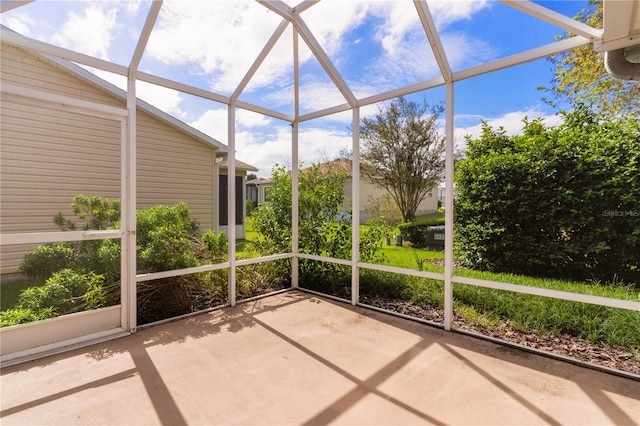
x: 403, y: 151
x: 580, y: 77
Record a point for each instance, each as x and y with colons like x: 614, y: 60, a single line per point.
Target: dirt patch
x: 598, y: 353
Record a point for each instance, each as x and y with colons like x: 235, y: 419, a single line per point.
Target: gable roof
x: 240, y: 165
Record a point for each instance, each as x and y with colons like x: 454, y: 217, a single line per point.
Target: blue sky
x: 375, y: 45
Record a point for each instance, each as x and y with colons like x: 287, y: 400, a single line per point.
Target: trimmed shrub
x: 416, y: 233
x: 560, y: 202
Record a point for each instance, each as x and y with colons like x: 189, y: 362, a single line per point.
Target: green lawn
x: 9, y: 292
x: 431, y: 218
x: 408, y: 257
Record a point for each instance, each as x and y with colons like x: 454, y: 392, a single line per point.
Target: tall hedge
x: 559, y: 201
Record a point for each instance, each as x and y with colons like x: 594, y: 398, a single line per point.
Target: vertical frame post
x: 128, y: 199
x: 355, y: 207
x: 231, y: 201
x: 448, y: 212
x: 295, y: 163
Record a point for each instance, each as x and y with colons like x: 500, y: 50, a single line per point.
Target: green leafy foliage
x: 216, y: 245
x: 402, y: 152
x: 560, y: 202
x: 66, y: 291
x: 324, y: 226
x: 581, y: 78
x: 166, y: 238
x: 47, y: 259
x: 250, y: 206
x: 416, y: 233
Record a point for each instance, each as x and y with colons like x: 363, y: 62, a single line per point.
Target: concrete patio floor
x: 295, y: 358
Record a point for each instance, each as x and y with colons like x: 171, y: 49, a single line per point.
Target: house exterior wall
x: 48, y: 156
x: 370, y: 191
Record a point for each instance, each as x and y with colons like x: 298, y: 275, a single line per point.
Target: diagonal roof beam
x: 306, y: 4
x: 16, y: 39
x: 521, y: 58
x: 555, y: 18
x: 10, y: 5
x: 291, y: 15
x: 146, y: 32
x: 434, y: 39
x: 260, y: 59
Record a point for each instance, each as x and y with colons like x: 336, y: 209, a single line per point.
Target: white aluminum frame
x: 51, y: 335
x: 292, y: 16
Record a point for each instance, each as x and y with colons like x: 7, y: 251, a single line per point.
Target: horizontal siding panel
x: 58, y: 135
x: 19, y: 197
x: 12, y: 257
x: 21, y: 68
x: 154, y: 155
x: 49, y: 156
x: 18, y: 107
x: 75, y: 169
x: 58, y: 138
x: 180, y: 152
x: 53, y: 147
x: 185, y: 181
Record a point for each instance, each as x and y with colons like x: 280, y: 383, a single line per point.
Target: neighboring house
x: 369, y: 191
x: 257, y: 190
x: 442, y: 193
x: 241, y: 195
x: 49, y: 152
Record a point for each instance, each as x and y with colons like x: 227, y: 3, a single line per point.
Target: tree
x: 561, y: 202
x: 581, y: 78
x: 403, y: 152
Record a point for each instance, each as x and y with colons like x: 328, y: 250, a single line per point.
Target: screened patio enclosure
x: 287, y: 30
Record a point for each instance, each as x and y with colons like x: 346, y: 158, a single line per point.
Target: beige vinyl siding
x: 172, y: 168
x: 48, y: 156
x: 23, y: 69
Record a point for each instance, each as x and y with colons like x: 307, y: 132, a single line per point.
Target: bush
x: 216, y: 245
x: 416, y: 233
x: 67, y: 291
x: 560, y: 202
x: 44, y: 260
x: 324, y: 227
x: 166, y: 238
x: 250, y: 206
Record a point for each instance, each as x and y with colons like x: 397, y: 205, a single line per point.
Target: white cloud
x: 464, y: 51
x: 329, y: 21
x: 214, y: 123
x: 251, y: 119
x: 315, y: 145
x: 511, y: 122
x: 18, y: 22
x: 132, y: 6
x: 446, y: 12
x: 229, y: 37
x: 164, y: 99
x: 90, y: 32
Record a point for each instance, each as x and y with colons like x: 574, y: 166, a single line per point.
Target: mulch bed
x: 597, y: 353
